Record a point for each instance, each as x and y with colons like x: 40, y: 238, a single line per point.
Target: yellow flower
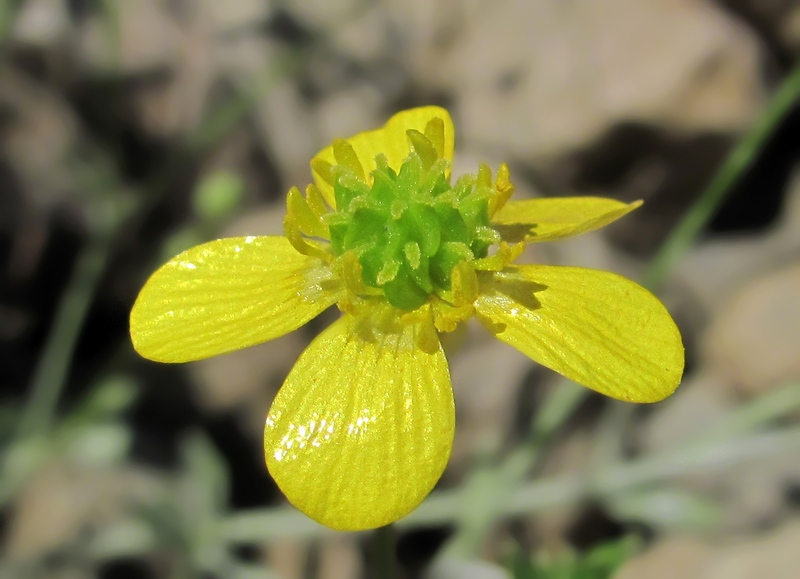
x: 362, y: 428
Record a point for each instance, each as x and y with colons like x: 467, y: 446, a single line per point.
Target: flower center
x: 411, y: 229
x: 407, y: 235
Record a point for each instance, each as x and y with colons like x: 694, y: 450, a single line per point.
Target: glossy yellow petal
x: 594, y: 327
x: 363, y: 426
x: 390, y: 140
x: 550, y: 218
x: 225, y: 295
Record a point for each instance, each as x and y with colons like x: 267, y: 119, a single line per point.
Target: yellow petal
x: 594, y: 327
x: 363, y: 426
x: 550, y: 218
x: 391, y: 140
x: 225, y: 295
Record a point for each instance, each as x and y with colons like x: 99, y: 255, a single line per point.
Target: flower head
x: 362, y: 428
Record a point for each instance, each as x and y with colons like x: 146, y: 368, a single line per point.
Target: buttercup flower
x: 362, y: 428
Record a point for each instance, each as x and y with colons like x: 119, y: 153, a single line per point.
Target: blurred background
x: 133, y: 129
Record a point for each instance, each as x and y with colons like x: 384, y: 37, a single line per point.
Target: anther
x: 423, y: 147
x: 323, y: 169
x: 503, y: 189
x: 307, y: 222
x: 434, y: 131
x: 345, y: 155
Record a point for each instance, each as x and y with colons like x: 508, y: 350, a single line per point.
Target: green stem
x: 738, y: 161
x: 383, y: 553
x: 53, y: 365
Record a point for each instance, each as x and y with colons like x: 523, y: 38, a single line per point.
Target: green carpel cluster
x: 410, y: 229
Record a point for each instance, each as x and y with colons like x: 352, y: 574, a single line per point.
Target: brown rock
x: 772, y: 556
x: 683, y: 558
x: 536, y: 79
x: 755, y: 339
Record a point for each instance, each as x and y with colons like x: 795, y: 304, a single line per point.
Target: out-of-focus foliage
x: 600, y: 562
